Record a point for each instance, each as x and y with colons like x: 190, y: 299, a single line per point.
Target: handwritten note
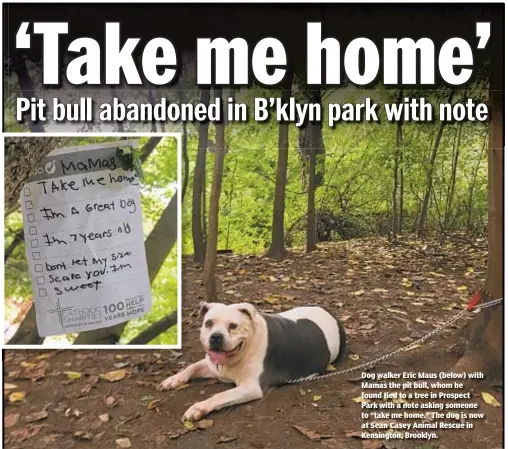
x: 84, y: 240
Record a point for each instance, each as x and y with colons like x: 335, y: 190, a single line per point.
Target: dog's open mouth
x: 221, y: 357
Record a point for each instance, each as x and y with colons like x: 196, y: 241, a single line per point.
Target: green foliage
x: 358, y: 174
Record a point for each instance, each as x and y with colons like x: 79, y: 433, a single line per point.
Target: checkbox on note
x: 41, y: 280
x: 34, y: 243
x: 38, y: 268
x: 36, y: 255
x: 32, y: 230
x: 43, y: 293
x: 30, y: 218
x: 27, y: 191
x: 29, y: 205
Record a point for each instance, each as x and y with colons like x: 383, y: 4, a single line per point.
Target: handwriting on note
x: 84, y: 240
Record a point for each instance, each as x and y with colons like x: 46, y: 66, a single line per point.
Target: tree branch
x: 149, y: 147
x: 155, y: 330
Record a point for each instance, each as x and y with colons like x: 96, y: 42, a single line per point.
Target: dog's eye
x: 232, y: 326
x: 208, y: 323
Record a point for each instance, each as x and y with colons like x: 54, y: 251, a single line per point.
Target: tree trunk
x: 152, y: 100
x: 472, y: 186
x: 27, y: 334
x: 396, y: 164
x: 22, y: 156
x: 453, y: 177
x: 314, y: 140
x: 430, y: 176
x: 27, y: 88
x: 185, y: 156
x: 277, y: 249
x: 213, y: 217
x: 401, y: 194
x: 119, y: 124
x: 198, y: 187
x: 148, y: 148
x: 485, y: 350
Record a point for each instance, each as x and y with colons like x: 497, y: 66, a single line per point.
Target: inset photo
x: 92, y: 240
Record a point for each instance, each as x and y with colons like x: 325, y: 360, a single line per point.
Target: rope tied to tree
x: 421, y: 340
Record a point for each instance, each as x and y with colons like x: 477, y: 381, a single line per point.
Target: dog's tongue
x: 218, y: 358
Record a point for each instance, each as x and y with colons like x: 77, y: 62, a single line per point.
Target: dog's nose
x: 216, y: 340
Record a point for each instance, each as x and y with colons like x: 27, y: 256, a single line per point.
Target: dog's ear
x: 247, y: 309
x: 204, y: 307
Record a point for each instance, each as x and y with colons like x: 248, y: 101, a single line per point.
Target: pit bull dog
x: 258, y: 351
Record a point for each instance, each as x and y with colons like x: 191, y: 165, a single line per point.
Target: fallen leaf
x: 28, y: 365
x: 205, y: 424
x: 34, y: 375
x: 17, y: 396
x: 310, y: 434
x: 357, y: 293
x: 153, y: 404
x: 85, y: 390
x: 21, y: 435
x: 182, y: 387
x: 121, y: 364
x: 406, y: 283
x: 72, y: 375
x: 360, y: 399
x: 47, y: 355
x: 50, y: 440
x: 38, y: 416
x: 189, y: 425
x: 380, y: 290
x: 490, y: 400
x: 405, y: 339
x: 123, y: 443
x: 226, y: 439
x: 354, y: 356
x: 11, y: 420
x: 114, y: 376
x: 401, y: 312
x: 462, y: 288
x: 8, y: 386
x: 399, y: 401
x: 83, y: 436
x: 330, y: 367
x: 316, y: 397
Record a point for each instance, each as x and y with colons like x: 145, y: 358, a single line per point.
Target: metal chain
x: 399, y: 350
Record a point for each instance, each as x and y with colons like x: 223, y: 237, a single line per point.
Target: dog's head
x: 227, y: 330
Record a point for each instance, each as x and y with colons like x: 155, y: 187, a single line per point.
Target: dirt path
x: 386, y: 296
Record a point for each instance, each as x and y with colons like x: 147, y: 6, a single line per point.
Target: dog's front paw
x: 172, y: 382
x: 196, y: 412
